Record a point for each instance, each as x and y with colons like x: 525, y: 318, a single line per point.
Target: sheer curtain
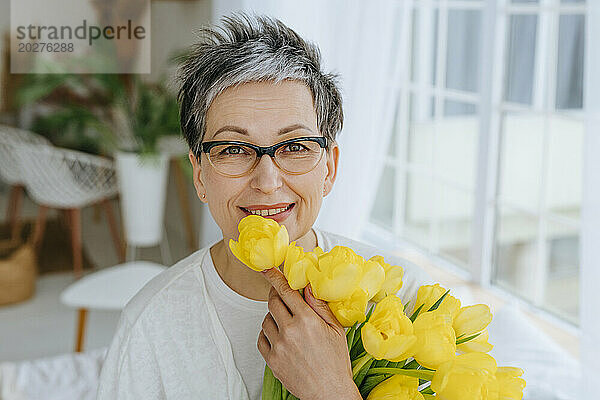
x: 356, y: 39
x: 590, y: 221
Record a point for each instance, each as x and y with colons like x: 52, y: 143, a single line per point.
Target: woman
x: 261, y: 121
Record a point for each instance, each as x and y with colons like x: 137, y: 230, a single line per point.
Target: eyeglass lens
x: 296, y: 157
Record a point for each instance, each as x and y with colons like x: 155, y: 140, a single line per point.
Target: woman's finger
x: 277, y: 308
x: 263, y: 345
x: 322, y: 309
x: 269, y: 327
x: 292, y: 299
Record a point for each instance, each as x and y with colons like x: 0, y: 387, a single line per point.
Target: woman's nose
x: 266, y: 177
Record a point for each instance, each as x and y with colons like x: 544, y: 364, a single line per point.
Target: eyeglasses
x: 295, y: 156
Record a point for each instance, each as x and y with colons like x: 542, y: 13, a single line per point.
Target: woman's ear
x: 333, y: 156
x: 196, y: 175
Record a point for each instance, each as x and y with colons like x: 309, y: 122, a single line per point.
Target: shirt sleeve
x: 130, y: 370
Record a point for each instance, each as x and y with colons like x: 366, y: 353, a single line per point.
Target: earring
x: 203, y: 196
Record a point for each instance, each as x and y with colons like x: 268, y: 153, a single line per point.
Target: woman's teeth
x: 267, y: 212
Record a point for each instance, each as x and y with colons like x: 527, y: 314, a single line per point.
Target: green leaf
x: 370, y: 382
x: 363, y: 373
x: 350, y: 336
x: 466, y: 339
x: 427, y: 390
x: 437, y: 303
x: 272, y: 388
x: 380, y: 363
x: 412, y: 365
x: 416, y: 313
x: 421, y: 374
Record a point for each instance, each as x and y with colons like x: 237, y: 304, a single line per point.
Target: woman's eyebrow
x: 231, y: 128
x: 293, y: 128
x: 282, y: 131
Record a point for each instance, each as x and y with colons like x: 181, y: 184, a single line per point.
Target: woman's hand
x: 304, y: 344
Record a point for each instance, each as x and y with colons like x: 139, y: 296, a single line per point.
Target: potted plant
x: 119, y: 115
x: 142, y: 170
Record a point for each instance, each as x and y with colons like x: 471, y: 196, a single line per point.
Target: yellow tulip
x: 510, y: 385
x: 471, y: 320
x: 318, y: 251
x: 296, y: 263
x: 350, y: 310
x: 373, y: 276
x: 397, y: 387
x: 336, y: 275
x: 388, y: 334
x: 262, y: 243
x: 468, y: 376
x: 393, y: 279
x: 428, y: 295
x: 436, y: 342
x: 479, y: 344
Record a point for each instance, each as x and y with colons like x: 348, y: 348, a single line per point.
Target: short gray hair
x: 252, y: 49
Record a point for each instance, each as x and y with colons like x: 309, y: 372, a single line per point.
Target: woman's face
x: 264, y: 113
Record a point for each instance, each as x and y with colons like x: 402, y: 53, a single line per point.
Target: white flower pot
x: 143, y: 188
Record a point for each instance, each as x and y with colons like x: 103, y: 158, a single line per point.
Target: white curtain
x: 356, y: 39
x: 590, y: 213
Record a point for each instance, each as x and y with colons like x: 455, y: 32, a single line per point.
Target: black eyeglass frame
x: 261, y: 151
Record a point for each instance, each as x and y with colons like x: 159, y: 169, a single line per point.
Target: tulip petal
x: 261, y: 255
x: 472, y: 319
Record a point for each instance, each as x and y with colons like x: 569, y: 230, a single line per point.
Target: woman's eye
x: 294, y: 147
x: 233, y: 150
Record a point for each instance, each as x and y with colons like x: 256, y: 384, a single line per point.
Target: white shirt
x: 187, y: 335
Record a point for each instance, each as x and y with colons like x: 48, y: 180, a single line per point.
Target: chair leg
x: 14, y: 210
x: 81, y: 322
x: 114, y: 231
x: 96, y: 215
x: 185, y: 205
x: 40, y: 226
x: 75, y: 221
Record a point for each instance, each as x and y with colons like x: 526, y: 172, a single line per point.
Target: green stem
x: 360, y: 363
x: 415, y: 373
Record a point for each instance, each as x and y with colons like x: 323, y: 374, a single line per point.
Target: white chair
x: 68, y: 180
x: 108, y: 289
x: 10, y: 172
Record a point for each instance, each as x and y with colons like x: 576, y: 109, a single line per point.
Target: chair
x: 108, y: 289
x: 10, y: 172
x: 68, y: 180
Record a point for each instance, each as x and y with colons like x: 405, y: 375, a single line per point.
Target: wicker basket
x: 18, y: 271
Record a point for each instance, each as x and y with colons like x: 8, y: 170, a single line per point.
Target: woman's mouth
x: 277, y: 212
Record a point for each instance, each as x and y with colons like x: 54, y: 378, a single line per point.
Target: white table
x: 108, y: 289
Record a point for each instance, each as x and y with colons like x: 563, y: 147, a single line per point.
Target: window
x: 484, y: 169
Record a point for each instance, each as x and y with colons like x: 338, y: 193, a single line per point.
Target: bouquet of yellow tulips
x: 437, y: 351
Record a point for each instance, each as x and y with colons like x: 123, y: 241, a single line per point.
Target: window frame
x: 491, y: 107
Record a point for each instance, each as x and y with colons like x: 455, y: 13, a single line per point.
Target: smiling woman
x: 261, y: 120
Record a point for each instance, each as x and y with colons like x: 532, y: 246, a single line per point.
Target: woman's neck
x: 243, y: 280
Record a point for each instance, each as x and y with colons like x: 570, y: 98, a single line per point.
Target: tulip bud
x: 428, y: 295
x: 262, y: 243
x: 351, y: 310
x: 436, y: 342
x: 336, y: 275
x: 296, y: 264
x: 393, y: 279
x: 472, y: 319
x: 388, y: 334
x: 397, y: 387
x: 468, y: 376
